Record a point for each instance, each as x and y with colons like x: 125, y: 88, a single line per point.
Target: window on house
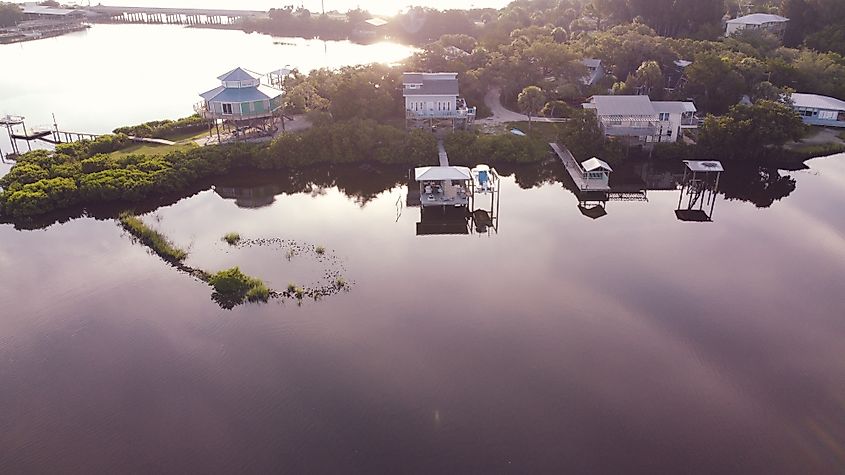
x: 827, y: 115
x: 664, y: 116
x: 227, y: 109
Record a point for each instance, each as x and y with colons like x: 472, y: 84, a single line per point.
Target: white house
x: 435, y: 96
x: 639, y: 120
x: 819, y: 110
x: 774, y: 24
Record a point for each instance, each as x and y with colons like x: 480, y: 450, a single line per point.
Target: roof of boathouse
x: 442, y: 173
x: 595, y: 164
x: 705, y: 166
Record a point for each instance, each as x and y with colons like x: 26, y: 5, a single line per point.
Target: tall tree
x: 10, y: 14
x: 531, y: 100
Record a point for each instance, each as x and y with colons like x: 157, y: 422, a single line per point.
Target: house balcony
x: 631, y: 130
x: 467, y: 113
x: 691, y: 122
x: 203, y: 111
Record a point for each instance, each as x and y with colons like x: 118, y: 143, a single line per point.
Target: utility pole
x: 323, y: 3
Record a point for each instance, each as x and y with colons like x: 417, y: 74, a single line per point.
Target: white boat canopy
x: 442, y: 173
x: 706, y: 166
x: 594, y: 164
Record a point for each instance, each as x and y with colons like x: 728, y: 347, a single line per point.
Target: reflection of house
x: 774, y: 24
x: 433, y: 97
x: 639, y: 120
x: 595, y: 71
x: 819, y: 110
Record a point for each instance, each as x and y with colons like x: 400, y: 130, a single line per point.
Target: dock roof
x: 594, y: 164
x: 442, y: 173
x: 704, y: 166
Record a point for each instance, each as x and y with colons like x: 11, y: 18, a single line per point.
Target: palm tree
x: 531, y: 100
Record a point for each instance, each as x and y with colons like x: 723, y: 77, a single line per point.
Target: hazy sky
x: 375, y: 6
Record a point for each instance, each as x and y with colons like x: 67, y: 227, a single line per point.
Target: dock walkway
x: 441, y: 153
x: 575, y: 170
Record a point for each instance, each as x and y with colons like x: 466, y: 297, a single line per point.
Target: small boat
x: 518, y: 132
x: 484, y: 179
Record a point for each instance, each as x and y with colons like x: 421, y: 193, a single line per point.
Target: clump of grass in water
x: 320, y: 250
x: 232, y: 238
x: 232, y: 287
x: 341, y: 283
x: 151, y: 238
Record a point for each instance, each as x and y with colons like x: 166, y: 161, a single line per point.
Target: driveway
x: 502, y: 115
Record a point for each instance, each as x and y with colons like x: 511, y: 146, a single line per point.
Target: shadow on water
x: 760, y: 185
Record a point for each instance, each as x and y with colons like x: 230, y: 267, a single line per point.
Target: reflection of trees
x: 529, y: 176
x: 759, y: 185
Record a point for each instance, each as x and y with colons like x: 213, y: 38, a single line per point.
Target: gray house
x: 595, y: 71
x: 431, y: 97
x: 819, y: 110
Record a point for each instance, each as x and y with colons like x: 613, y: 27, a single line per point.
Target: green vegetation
x: 470, y: 148
x: 151, y: 238
x: 232, y: 287
x: 232, y: 238
x: 320, y: 250
x: 531, y: 101
x: 10, y: 14
x: 167, y: 129
x: 748, y: 132
x: 841, y: 135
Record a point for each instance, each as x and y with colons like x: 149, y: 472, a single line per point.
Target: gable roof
x: 594, y: 164
x: 239, y: 74
x: 758, y: 19
x: 431, y: 84
x: 442, y: 173
x: 623, y: 105
x: 591, y: 62
x: 816, y: 101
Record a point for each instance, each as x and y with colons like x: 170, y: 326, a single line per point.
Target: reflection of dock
x: 578, y: 174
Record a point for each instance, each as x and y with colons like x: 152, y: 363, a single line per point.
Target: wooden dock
x: 575, y: 171
x: 441, y: 153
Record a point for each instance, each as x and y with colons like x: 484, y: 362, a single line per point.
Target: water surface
x: 634, y: 343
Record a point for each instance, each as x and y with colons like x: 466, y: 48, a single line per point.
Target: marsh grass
x: 320, y: 250
x: 151, y: 238
x: 232, y: 238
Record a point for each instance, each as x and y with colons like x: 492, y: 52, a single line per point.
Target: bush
x: 233, y: 287
x: 165, y: 128
x: 470, y: 148
x: 232, y: 238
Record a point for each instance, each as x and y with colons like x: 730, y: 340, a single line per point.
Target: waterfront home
x: 595, y: 71
x: 432, y: 98
x: 637, y: 120
x: 242, y: 101
x: 774, y: 24
x: 819, y: 110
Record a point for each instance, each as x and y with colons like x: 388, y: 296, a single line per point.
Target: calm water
x: 115, y: 75
x: 634, y: 343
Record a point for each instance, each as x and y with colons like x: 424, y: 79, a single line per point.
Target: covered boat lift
x: 444, y: 186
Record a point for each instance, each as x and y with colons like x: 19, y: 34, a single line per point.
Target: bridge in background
x: 176, y: 16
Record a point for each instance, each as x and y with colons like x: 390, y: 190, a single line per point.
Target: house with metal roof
x: 820, y: 110
x: 243, y: 100
x: 434, y: 97
x: 639, y: 120
x: 774, y: 24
